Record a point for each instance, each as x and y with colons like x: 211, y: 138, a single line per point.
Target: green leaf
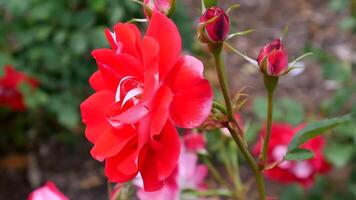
x: 315, y: 129
x: 210, y: 3
x: 299, y: 154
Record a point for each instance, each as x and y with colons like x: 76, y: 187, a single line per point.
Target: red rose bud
x: 273, y: 59
x: 217, y: 29
x: 166, y: 7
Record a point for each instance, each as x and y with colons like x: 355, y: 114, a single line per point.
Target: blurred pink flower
x: 239, y: 120
x: 188, y: 174
x: 194, y: 141
x: 47, y: 192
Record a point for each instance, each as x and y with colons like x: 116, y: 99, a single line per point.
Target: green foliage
x: 285, y: 110
x: 292, y: 193
x: 299, y: 154
x: 339, y: 154
x: 52, y: 41
x: 340, y: 150
x: 314, y: 129
x: 210, y: 3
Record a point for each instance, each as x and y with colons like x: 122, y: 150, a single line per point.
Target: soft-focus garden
x: 177, y: 99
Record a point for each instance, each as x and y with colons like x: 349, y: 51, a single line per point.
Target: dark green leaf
x: 299, y: 154
x: 315, y: 129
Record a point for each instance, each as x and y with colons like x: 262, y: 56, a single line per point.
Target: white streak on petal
x: 302, y: 169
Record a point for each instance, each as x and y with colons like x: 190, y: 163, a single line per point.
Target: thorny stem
x: 220, y: 67
x: 263, y: 157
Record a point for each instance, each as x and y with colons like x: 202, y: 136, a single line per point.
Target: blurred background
x: 51, y: 42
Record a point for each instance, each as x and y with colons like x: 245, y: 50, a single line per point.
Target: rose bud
x: 273, y: 59
x: 216, y: 25
x: 166, y: 7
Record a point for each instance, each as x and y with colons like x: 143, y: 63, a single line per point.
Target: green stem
x: 214, y: 171
x: 251, y: 162
x: 207, y: 193
x: 268, y: 128
x: 234, y: 174
x: 220, y: 67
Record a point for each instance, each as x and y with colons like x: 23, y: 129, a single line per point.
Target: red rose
x: 143, y: 88
x: 273, y: 59
x: 218, y: 29
x: 10, y: 95
x: 302, y: 172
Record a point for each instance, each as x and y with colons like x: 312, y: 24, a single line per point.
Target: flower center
x: 128, y: 94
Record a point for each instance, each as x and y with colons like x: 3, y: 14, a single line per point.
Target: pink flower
x: 188, y: 174
x: 194, y: 141
x: 273, y: 59
x: 218, y: 29
x: 143, y: 89
x: 302, y: 172
x: 10, y: 95
x: 47, y: 192
x: 164, y: 6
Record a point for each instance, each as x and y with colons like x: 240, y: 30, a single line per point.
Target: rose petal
x: 158, y: 165
x: 160, y: 109
x: 111, y: 167
x: 150, y: 57
x: 192, y: 93
x: 165, y: 32
x: 114, y: 67
x: 46, y: 192
x: 97, y: 82
x: 111, y: 142
x: 130, y: 38
x: 93, y: 111
x: 277, y: 62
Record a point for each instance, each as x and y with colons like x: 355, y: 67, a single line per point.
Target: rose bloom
x: 273, y: 59
x: 143, y: 89
x: 302, y: 172
x: 47, y: 192
x: 10, y: 95
x: 188, y: 174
